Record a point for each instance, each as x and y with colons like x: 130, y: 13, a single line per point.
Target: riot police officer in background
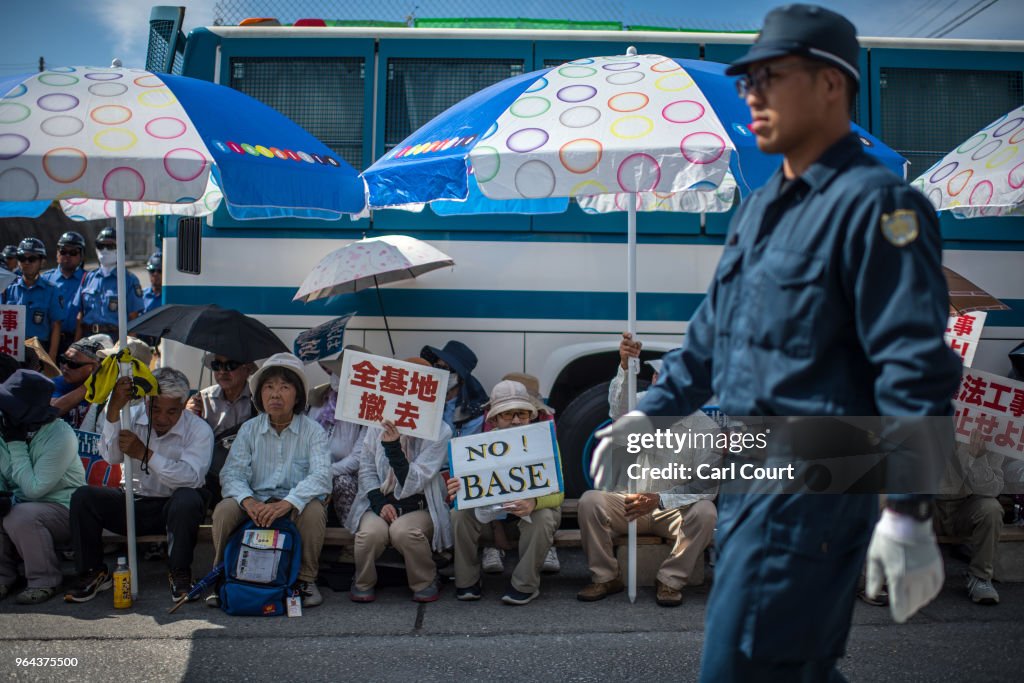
x: 151, y: 296
x: 40, y: 297
x: 97, y: 299
x: 68, y: 276
x: 828, y: 300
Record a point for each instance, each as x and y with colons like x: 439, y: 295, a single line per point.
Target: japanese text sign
x: 505, y: 464
x: 963, y: 333
x: 994, y: 406
x: 322, y: 340
x: 12, y: 331
x: 374, y: 388
x: 98, y: 472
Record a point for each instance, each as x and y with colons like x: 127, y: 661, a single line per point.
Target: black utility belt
x: 410, y: 504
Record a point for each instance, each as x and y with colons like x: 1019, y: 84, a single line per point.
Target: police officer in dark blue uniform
x: 828, y: 300
x: 39, y: 297
x: 68, y: 276
x: 151, y: 296
x: 97, y: 299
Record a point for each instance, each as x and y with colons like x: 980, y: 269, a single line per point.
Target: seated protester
x: 618, y: 400
x: 76, y: 364
x: 401, y: 502
x: 40, y: 467
x: 93, y: 420
x: 463, y: 408
x: 967, y: 506
x: 278, y: 465
x: 686, y: 518
x: 493, y: 558
x: 172, y: 449
x: 510, y: 406
x: 226, y: 405
x: 344, y: 439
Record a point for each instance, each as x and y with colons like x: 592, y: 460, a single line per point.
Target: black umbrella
x: 222, y: 331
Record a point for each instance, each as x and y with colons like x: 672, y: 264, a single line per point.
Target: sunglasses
x: 227, y: 365
x: 106, y: 247
x: 28, y: 259
x: 73, y: 365
x: 70, y: 252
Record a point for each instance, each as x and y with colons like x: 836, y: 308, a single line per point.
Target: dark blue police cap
x: 156, y: 261
x: 805, y: 30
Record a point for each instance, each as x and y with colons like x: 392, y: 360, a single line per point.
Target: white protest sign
x: 374, y: 388
x: 505, y: 464
x: 994, y: 406
x: 12, y: 331
x: 963, y: 333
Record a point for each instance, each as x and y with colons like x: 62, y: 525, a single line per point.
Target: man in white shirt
x: 172, y: 449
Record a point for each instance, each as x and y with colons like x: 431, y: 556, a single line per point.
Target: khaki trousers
x: 535, y: 537
x: 311, y: 523
x: 602, y: 517
x: 410, y: 534
x: 980, y: 519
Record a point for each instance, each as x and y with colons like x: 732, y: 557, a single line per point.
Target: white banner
x: 994, y: 406
x: 374, y: 388
x: 503, y: 465
x: 963, y: 333
x: 12, y: 331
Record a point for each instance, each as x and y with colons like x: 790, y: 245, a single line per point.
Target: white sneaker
x: 493, y: 561
x: 982, y: 591
x: 551, y: 565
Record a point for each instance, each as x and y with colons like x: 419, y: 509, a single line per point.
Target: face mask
x: 108, y: 259
x: 334, y: 381
x: 453, y: 381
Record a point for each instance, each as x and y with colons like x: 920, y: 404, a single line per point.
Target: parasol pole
x: 634, y: 364
x: 122, y: 338
x: 380, y: 301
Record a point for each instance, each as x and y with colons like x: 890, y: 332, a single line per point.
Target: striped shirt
x: 294, y: 465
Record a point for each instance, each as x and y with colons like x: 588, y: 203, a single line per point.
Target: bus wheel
x: 587, y: 413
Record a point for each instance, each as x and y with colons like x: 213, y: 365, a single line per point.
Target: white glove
x: 904, y: 554
x: 605, y: 468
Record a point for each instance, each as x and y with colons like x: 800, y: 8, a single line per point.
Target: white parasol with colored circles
x: 984, y: 176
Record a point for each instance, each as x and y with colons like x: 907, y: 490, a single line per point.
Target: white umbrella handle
x: 631, y: 373
x: 122, y: 338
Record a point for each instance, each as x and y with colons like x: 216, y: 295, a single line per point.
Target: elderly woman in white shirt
x: 401, y: 502
x: 278, y: 465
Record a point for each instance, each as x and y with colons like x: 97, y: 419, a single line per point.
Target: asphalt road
x: 554, y: 638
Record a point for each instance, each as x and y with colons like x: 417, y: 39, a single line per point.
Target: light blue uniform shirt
x: 68, y: 287
x: 42, y: 305
x: 97, y: 299
x: 294, y: 465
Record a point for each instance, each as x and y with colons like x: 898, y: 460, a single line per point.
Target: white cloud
x: 128, y: 24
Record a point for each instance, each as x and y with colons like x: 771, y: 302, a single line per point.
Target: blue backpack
x: 260, y: 567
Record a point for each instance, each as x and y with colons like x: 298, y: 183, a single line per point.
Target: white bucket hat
x: 138, y: 348
x: 655, y: 365
x: 281, y: 360
x: 510, y: 395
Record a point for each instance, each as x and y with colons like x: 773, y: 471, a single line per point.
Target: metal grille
x: 160, y: 35
x: 420, y: 89
x: 916, y: 123
x: 190, y: 245
x: 178, y: 59
x: 324, y: 95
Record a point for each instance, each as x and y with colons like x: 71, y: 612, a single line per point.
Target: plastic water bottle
x: 122, y: 585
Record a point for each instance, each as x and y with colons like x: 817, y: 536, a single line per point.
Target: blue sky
x: 70, y: 32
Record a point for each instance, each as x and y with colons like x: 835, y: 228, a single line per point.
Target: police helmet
x: 71, y: 238
x: 32, y: 245
x: 10, y: 251
x: 156, y: 262
x: 106, y: 235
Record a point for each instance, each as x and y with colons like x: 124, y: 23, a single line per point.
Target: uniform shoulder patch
x: 138, y: 289
x: 900, y: 227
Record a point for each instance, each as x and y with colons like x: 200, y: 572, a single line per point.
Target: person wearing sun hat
x: 463, y: 408
x: 39, y: 465
x: 278, y: 465
x: 535, y: 520
x: 401, y: 502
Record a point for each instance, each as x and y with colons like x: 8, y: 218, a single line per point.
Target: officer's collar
x: 105, y: 272
x: 833, y: 160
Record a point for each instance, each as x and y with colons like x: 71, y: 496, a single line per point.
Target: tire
x: 587, y: 413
